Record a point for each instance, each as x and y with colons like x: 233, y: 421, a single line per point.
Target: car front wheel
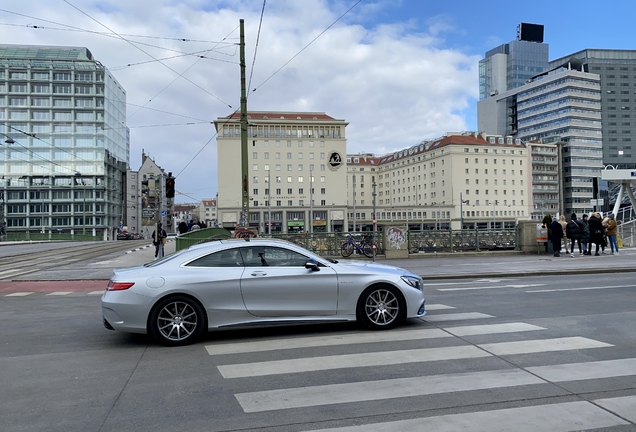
x: 177, y: 321
x: 380, y: 308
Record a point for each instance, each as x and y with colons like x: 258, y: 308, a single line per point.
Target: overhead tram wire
x: 181, y: 75
x: 258, y: 36
x: 195, y: 54
x: 306, y: 46
x: 149, y: 55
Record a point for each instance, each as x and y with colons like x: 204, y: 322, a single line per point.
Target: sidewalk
x: 512, y: 263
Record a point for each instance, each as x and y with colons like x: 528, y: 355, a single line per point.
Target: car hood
x: 368, y: 267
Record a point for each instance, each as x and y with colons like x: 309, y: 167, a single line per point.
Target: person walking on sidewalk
x: 563, y: 226
x: 596, y: 233
x: 612, y: 228
x: 158, y: 238
x: 573, y: 231
x: 556, y: 235
x: 547, y: 220
x: 585, y: 234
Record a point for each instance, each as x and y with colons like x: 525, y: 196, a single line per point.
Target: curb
x: 533, y: 273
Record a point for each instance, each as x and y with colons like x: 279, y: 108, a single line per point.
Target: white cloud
x: 393, y: 85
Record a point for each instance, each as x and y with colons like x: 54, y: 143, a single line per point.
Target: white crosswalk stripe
x: 18, y: 294
x: 560, y: 417
x: 557, y: 417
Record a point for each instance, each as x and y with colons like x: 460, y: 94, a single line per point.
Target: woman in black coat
x: 596, y: 233
x: 556, y: 234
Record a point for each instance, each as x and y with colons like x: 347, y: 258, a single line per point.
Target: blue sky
x: 399, y: 71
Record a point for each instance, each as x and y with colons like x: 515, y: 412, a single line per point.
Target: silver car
x: 231, y: 283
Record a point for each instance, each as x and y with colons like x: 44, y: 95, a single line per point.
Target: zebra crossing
x: 453, y: 327
x: 53, y: 294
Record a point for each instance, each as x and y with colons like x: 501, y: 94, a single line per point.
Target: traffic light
x: 170, y: 186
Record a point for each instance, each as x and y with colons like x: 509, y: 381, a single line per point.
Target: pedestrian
x: 158, y: 238
x: 564, y: 224
x: 190, y: 225
x: 612, y: 228
x: 573, y: 231
x: 547, y: 220
x: 182, y: 227
x: 604, y: 223
x: 585, y: 234
x: 556, y: 235
x: 596, y: 233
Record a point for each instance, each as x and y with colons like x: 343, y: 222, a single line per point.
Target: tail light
x: 118, y: 286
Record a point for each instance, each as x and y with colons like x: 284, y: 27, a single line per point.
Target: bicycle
x: 361, y: 245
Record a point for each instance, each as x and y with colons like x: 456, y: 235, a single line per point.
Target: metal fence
x: 330, y: 244
x: 461, y: 240
x: 49, y: 236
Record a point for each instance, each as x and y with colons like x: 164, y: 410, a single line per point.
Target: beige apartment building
x: 296, y: 162
x: 424, y: 186
x: 482, y: 180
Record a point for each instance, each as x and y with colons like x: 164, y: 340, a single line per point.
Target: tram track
x: 19, y: 264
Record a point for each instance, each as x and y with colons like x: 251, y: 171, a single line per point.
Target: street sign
x: 163, y: 213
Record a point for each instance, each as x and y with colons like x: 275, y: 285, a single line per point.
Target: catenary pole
x: 244, y: 162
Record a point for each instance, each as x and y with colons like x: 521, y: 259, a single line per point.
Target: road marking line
x: 543, y: 345
x: 586, y: 371
x: 580, y: 289
x: 489, y: 287
x: 560, y: 417
x: 59, y: 293
x: 382, y: 389
x: 432, y: 307
x: 623, y: 406
x: 18, y: 294
x: 312, y: 364
x: 492, y: 329
x: 456, y: 316
x: 96, y: 292
x: 318, y: 341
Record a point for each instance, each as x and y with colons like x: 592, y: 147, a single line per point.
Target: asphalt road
x: 534, y: 353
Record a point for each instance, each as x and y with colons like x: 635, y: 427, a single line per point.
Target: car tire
x: 380, y: 307
x: 177, y: 320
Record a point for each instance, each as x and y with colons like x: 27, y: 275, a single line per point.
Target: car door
x: 276, y: 284
x: 215, y: 278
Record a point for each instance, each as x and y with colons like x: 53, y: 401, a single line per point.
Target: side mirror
x: 311, y: 264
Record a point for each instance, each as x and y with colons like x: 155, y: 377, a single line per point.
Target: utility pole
x: 244, y: 163
x: 354, y: 203
x: 375, y: 224
x: 311, y: 201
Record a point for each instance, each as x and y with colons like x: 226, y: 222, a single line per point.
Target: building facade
x: 617, y: 71
x: 66, y: 145
x: 297, y: 169
x: 562, y: 106
x: 478, y: 179
x: 510, y: 65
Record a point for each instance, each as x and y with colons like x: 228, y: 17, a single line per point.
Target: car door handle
x: 258, y: 273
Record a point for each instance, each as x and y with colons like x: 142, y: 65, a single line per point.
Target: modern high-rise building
x: 66, y: 145
x: 617, y: 71
x: 560, y: 106
x: 511, y: 65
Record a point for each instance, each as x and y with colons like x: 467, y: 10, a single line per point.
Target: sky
x: 398, y: 71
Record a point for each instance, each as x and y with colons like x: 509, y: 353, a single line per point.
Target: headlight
x: 413, y: 281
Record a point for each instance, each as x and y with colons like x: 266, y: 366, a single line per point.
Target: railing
x: 49, y: 236
x: 461, y: 240
x: 329, y: 244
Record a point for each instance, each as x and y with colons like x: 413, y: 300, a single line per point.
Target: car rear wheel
x: 177, y: 321
x: 381, y: 307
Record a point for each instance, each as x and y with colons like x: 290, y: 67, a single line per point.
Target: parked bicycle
x: 359, y: 244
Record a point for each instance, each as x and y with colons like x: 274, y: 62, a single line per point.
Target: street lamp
x: 461, y: 209
x: 494, y: 217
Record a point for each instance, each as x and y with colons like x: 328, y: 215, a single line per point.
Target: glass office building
x: 511, y: 65
x: 617, y: 69
x: 65, y: 144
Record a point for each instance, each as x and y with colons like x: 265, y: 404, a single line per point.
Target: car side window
x: 259, y: 256
x: 226, y: 258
